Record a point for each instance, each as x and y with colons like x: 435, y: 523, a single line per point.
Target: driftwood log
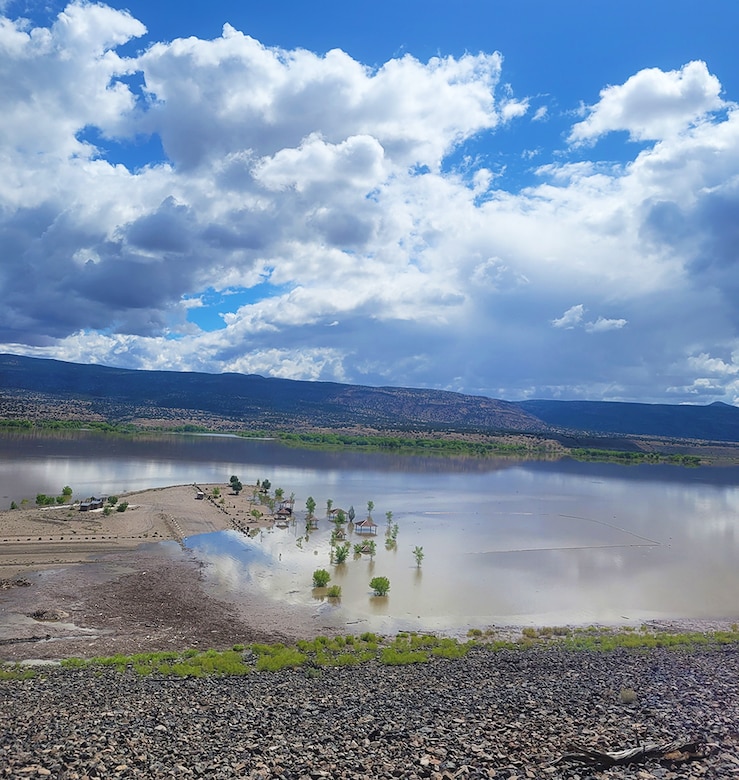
x: 676, y: 751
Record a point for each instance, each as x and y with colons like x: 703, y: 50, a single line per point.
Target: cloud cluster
x: 318, y: 196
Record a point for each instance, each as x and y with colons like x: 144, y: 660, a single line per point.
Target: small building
x: 283, y: 515
x: 366, y: 526
x: 92, y: 503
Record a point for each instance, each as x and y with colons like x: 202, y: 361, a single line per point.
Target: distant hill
x: 716, y: 422
x: 121, y: 395
x: 35, y: 388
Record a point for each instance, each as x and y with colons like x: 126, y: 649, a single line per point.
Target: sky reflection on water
x: 504, y: 541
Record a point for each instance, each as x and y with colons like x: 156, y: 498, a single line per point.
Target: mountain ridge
x: 50, y: 389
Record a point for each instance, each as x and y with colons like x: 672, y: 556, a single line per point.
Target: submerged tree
x: 380, y: 585
x: 418, y: 554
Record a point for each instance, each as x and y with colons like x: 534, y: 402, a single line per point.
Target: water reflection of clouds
x: 546, y: 542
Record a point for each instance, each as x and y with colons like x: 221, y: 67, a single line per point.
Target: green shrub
x: 380, y: 585
x: 334, y: 592
x: 391, y: 656
x: 320, y: 578
x: 450, y: 648
x: 122, y: 507
x: 341, y: 553
x: 285, y: 658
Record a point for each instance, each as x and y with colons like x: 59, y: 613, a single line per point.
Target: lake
x: 504, y: 541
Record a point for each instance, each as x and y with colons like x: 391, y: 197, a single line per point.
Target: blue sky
x: 513, y: 199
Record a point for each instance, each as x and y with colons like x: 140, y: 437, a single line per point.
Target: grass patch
x: 404, y: 648
x: 17, y: 672
x: 280, y: 657
x: 391, y: 656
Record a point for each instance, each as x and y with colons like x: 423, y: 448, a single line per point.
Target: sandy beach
x: 89, y: 583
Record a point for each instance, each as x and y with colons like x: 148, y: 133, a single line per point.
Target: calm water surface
x: 504, y: 541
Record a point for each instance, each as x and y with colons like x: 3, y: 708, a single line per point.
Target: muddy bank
x: 125, y: 583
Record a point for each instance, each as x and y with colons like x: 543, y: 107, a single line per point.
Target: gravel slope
x: 508, y: 714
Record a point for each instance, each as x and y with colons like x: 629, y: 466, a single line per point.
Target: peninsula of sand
x: 96, y: 581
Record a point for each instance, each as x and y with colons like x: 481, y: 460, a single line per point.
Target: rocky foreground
x: 511, y: 714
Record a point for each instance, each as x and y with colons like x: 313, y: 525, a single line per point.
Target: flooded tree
x: 380, y: 585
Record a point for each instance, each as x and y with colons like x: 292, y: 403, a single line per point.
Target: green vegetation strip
x: 437, y: 443
x: 405, y: 648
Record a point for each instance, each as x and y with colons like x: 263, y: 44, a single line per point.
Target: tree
x: 351, y: 514
x: 371, y: 548
x: 310, y: 505
x: 279, y: 493
x: 236, y: 485
x: 320, y: 578
x: 266, y: 484
x: 122, y: 507
x: 380, y: 585
x: 341, y: 553
x: 66, y: 491
x: 389, y: 517
x: 329, y: 505
x: 418, y: 554
x: 370, y: 507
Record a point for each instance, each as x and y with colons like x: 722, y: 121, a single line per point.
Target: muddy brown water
x: 504, y: 541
